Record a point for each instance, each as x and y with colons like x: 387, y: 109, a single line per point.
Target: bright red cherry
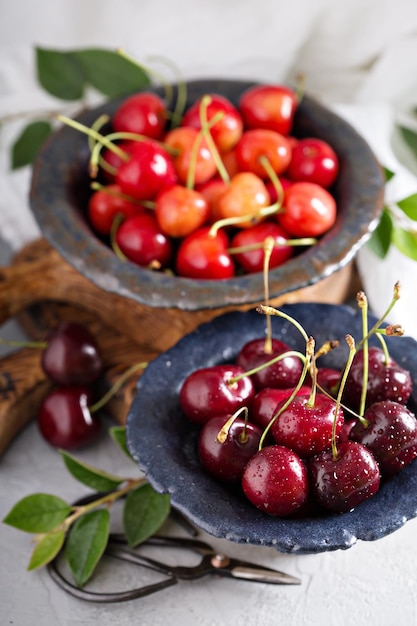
x: 104, y: 204
x: 227, y: 131
x: 252, y: 259
x: 275, y: 481
x: 313, y: 160
x: 148, y: 170
x: 202, y: 255
x: 258, y: 143
x: 269, y: 106
x: 309, y: 210
x: 65, y: 420
x: 142, y: 241
x: 180, y: 211
x: 143, y: 113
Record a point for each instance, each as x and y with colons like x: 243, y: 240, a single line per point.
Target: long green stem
x: 117, y: 385
x: 363, y: 304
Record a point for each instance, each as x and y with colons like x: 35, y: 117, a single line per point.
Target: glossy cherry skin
x: 72, y: 356
x: 329, y: 378
x: 227, y: 460
x: 183, y: 141
x: 308, y: 429
x: 142, y: 241
x: 315, y: 161
x: 244, y: 197
x: 148, y: 170
x: 386, y: 381
x: 258, y: 143
x: 208, y: 392
x: 211, y: 191
x: 275, y: 481
x: 282, y: 374
x: 180, y: 211
x: 204, y: 256
x: 309, y: 210
x: 252, y: 260
x: 266, y: 402
x: 65, y: 420
x: 227, y: 131
x: 269, y: 106
x: 105, y: 204
x: 391, y: 435
x: 143, y: 113
x: 341, y: 484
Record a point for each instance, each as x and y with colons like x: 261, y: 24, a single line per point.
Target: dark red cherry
x: 208, y: 392
x: 282, y: 374
x: 65, y: 420
x: 391, y: 435
x: 266, y: 401
x: 72, y: 356
x: 226, y: 461
x: 340, y: 484
x: 275, y: 481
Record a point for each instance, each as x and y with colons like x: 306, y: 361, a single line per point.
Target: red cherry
x: 275, y: 481
x: 313, y: 160
x: 268, y: 106
x: 142, y: 241
x: 105, y: 204
x: 309, y: 210
x: 142, y: 113
x: 227, y: 131
x: 208, y: 392
x: 180, y: 211
x: 245, y: 195
x: 267, y: 400
x: 258, y: 143
x: 226, y: 461
x: 114, y: 160
x: 253, y: 260
x: 148, y: 170
x: 202, y: 255
x: 212, y: 190
x: 282, y: 374
x: 184, y: 141
x: 340, y: 484
x: 65, y: 420
x: 72, y: 356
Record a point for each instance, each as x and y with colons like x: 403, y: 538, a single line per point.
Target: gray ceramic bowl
x: 60, y: 188
x: 165, y: 444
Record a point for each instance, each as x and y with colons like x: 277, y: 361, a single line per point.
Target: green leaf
x: 410, y: 138
x: 388, y: 174
x: 118, y: 434
x: 27, y: 145
x: 46, y: 549
x: 406, y: 242
x: 380, y: 240
x: 89, y: 475
x: 38, y: 513
x: 110, y: 73
x: 60, y: 74
x: 409, y: 206
x: 86, y: 543
x: 144, y: 513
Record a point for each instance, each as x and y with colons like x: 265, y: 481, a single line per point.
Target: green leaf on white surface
x: 410, y: 138
x: 118, y: 434
x: 86, y: 543
x: 388, y: 174
x: 60, y: 74
x: 46, y: 549
x: 38, y: 513
x: 409, y: 206
x: 89, y: 475
x: 380, y: 239
x: 144, y: 513
x: 406, y: 242
x: 110, y: 73
x: 27, y: 145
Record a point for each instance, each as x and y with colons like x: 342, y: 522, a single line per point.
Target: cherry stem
x: 376, y: 327
x: 242, y: 219
x: 15, y: 343
x: 118, y: 219
x: 167, y: 87
x: 96, y: 186
x: 384, y: 348
x: 268, y: 249
x: 279, y: 242
x: 272, y: 361
x: 269, y: 310
x: 97, y: 126
x: 306, y: 365
x: 205, y: 101
x: 363, y: 305
x: 117, y: 385
x: 351, y: 343
x: 90, y: 132
x: 264, y: 161
x: 181, y: 100
x: 194, y: 152
x: 224, y: 431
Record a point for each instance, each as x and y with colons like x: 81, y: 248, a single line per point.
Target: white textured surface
x: 358, y: 55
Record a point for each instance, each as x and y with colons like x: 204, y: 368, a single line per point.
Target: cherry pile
x: 296, y: 439
x: 198, y: 196
x: 72, y: 361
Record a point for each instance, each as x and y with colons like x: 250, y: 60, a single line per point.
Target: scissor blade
x: 260, y: 574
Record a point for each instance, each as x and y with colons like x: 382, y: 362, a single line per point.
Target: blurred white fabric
x: 359, y: 56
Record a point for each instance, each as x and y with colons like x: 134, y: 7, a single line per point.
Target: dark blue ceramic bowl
x: 165, y: 444
x: 60, y: 188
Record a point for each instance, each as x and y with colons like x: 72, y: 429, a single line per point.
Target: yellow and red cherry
x: 244, y: 196
x: 180, y: 211
x: 227, y: 131
x: 104, y: 204
x: 269, y: 106
x: 142, y: 241
x: 191, y: 151
x: 211, y: 190
x: 257, y: 143
x: 143, y: 113
x: 252, y: 258
x: 309, y: 210
x: 204, y: 255
x: 313, y: 160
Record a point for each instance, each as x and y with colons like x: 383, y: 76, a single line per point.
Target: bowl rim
x: 177, y: 471
x: 361, y: 179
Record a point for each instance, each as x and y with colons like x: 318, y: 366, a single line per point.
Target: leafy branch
x: 82, y: 530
